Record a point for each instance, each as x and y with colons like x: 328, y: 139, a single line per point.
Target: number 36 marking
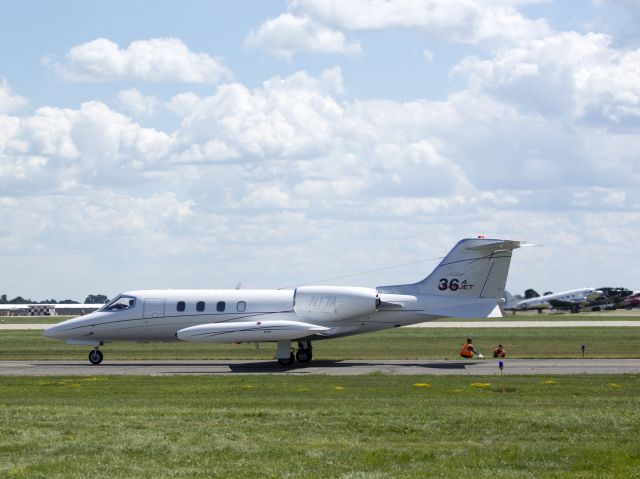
x: 453, y: 285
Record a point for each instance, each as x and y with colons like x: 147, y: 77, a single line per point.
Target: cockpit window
x: 120, y: 303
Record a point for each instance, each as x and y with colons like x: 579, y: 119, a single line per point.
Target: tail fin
x: 474, y: 268
x: 531, y: 293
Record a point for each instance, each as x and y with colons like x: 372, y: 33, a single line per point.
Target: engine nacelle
x: 333, y: 303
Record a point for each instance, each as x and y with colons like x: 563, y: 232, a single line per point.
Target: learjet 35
x: 468, y: 283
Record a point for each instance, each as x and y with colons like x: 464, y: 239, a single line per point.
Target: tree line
x: 91, y: 299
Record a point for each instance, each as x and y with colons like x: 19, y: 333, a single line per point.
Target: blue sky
x: 275, y: 143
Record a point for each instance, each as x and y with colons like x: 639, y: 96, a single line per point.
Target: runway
x: 550, y: 367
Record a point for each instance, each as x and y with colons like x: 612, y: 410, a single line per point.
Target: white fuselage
x: 157, y: 315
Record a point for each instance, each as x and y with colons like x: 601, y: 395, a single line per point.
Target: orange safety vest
x: 466, y: 350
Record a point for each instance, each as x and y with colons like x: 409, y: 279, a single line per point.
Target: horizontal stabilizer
x: 495, y: 246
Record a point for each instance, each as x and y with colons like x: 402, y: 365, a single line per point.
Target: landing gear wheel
x: 288, y: 361
x: 303, y: 355
x: 95, y: 357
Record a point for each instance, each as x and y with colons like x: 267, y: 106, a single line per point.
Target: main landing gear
x: 302, y: 355
x: 95, y: 356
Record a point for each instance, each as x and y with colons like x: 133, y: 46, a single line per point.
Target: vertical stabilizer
x: 474, y: 268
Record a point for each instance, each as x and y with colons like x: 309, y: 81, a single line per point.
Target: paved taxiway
x: 550, y: 367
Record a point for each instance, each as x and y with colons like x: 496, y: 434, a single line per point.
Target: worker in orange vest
x: 499, y: 352
x: 467, y: 350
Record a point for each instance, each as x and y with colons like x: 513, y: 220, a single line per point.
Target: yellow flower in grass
x: 422, y: 385
x: 339, y: 388
x: 480, y: 385
x: 548, y: 381
x: 614, y: 386
x: 248, y: 387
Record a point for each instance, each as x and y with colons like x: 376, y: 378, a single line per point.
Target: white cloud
x: 285, y: 117
x: 580, y: 76
x: 137, y: 104
x: 465, y: 21
x: 58, y: 150
x: 287, y: 34
x: 156, y: 60
x: 293, y: 167
x: 9, y: 102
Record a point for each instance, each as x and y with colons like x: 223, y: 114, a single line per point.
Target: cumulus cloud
x: 318, y: 26
x: 287, y: 34
x: 295, y: 167
x: 9, y: 102
x: 465, y: 21
x: 580, y: 76
x: 137, y: 104
x: 156, y: 60
x: 285, y: 117
x: 58, y: 149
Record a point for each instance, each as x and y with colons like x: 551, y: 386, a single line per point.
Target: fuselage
x: 157, y: 315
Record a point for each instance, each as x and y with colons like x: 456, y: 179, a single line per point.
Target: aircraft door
x: 153, y: 308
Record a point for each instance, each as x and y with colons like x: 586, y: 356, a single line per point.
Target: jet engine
x: 333, y: 303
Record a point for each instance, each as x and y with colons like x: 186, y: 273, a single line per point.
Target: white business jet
x: 468, y: 283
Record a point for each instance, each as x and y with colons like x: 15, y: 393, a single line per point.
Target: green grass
x: 402, y: 343
x: 621, y: 315
x: 33, y: 319
x: 353, y: 427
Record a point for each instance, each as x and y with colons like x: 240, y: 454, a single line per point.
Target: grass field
x: 33, y: 319
x: 358, y: 427
x: 402, y: 343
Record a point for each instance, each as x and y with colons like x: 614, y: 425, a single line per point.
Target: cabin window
x: 180, y: 306
x: 200, y: 306
x: 220, y: 306
x: 241, y: 307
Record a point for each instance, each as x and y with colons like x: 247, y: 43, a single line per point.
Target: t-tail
x: 468, y: 283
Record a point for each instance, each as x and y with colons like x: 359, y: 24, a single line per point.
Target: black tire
x: 95, y: 357
x: 304, y: 355
x: 288, y: 361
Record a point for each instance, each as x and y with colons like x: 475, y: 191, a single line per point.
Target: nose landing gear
x: 95, y: 356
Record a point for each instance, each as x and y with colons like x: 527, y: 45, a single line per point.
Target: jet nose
x: 52, y: 331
